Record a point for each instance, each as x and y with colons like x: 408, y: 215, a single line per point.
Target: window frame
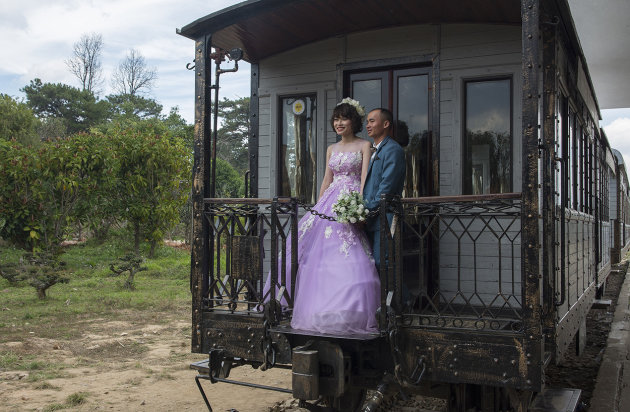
x: 389, y: 75
x: 279, y: 135
x: 466, y: 185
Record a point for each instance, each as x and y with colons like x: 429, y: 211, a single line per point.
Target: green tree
x: 228, y: 182
x: 17, y: 121
x: 73, y: 171
x: 178, y: 126
x: 130, y: 264
x: 52, y: 128
x: 153, y: 177
x: 21, y: 197
x: 42, y: 270
x: 127, y: 107
x: 79, y: 109
x: 96, y: 205
x: 41, y: 189
x: 233, y: 135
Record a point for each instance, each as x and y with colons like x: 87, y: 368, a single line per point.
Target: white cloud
x: 618, y: 133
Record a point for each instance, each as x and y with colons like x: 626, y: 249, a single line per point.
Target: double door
x: 407, y: 93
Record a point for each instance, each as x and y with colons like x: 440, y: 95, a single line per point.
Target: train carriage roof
x: 263, y: 28
x: 604, y: 30
x: 619, y: 156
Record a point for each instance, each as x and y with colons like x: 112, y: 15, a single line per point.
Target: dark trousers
x: 375, y: 241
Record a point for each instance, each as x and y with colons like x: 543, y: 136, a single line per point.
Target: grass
x: 75, y: 399
x: 91, y: 298
x: 46, y: 385
x: 91, y: 292
x: 38, y: 370
x: 54, y: 407
x: 9, y: 360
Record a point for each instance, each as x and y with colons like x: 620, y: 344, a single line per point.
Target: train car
x: 504, y: 232
x: 619, y: 207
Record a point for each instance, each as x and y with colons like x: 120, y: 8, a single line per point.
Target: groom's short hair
x: 386, y: 115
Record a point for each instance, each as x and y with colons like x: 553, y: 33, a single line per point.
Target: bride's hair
x: 349, y: 112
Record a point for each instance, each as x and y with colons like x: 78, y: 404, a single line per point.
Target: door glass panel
x: 298, y: 152
x: 405, y: 92
x: 368, y: 93
x: 488, y: 138
x: 412, y: 127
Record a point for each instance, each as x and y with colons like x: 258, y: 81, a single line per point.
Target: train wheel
x: 351, y: 401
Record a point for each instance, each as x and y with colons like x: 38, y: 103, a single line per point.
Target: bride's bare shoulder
x: 331, y: 148
x: 364, y: 144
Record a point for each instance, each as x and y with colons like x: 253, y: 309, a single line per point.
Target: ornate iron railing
x: 242, y: 232
x: 456, y: 261
x: 452, y: 262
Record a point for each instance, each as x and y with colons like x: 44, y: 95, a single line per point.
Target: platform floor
x: 612, y: 389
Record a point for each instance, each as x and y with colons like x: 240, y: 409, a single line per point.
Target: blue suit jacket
x: 386, y: 175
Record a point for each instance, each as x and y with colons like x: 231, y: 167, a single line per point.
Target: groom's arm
x: 393, y: 177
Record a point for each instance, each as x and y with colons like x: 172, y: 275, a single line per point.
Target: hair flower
x: 357, y: 106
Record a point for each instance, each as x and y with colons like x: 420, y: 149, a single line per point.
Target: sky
x: 37, y: 36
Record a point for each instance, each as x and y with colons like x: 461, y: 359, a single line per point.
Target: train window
x: 297, y: 147
x: 582, y: 165
x: 589, y: 181
x: 487, y: 146
x: 562, y: 177
x: 573, y: 161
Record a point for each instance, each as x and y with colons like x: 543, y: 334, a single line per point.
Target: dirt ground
x: 140, y: 362
x: 128, y: 366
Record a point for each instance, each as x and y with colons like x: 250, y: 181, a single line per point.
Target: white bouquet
x: 350, y: 208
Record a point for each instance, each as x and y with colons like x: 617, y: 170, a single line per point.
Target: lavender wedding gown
x: 337, y: 286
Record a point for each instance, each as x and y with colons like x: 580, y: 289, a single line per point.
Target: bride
x: 337, y: 286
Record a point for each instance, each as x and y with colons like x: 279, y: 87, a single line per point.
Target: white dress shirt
x: 376, y: 149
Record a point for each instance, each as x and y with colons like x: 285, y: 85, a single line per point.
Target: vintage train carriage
x: 619, y: 208
x: 504, y: 228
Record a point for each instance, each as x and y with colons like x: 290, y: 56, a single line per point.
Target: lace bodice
x: 346, y: 163
x: 346, y: 167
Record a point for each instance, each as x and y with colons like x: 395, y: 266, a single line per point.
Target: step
x: 556, y: 400
x: 288, y: 330
x: 601, y: 304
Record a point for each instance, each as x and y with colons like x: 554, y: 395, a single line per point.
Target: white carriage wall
x: 464, y: 52
x: 606, y: 245
x: 489, y: 270
x: 612, y: 213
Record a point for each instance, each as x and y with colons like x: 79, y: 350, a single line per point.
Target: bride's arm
x: 366, y: 151
x: 328, y: 176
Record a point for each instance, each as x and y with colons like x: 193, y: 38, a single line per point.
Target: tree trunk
x: 101, y: 231
x: 129, y: 285
x: 152, y: 250
x: 41, y: 293
x: 136, y: 237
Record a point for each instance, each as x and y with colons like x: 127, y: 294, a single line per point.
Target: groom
x: 385, y: 175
